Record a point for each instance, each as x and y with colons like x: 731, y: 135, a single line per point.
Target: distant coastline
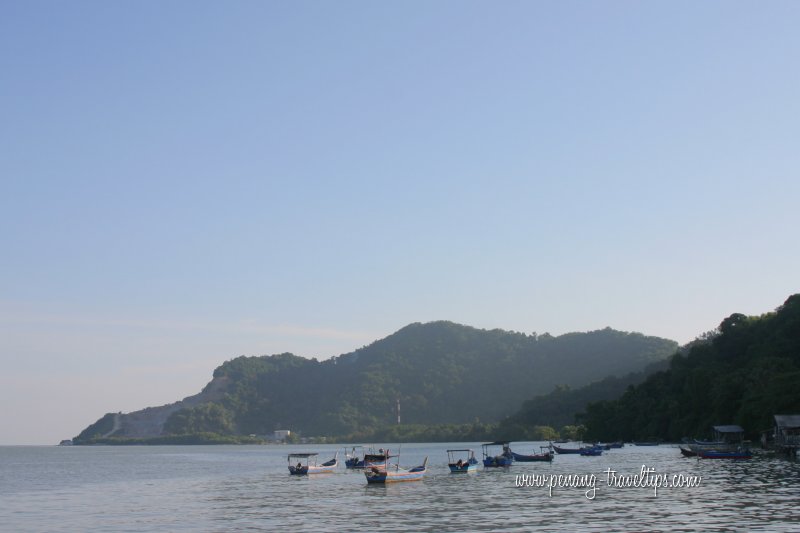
x: 198, y: 438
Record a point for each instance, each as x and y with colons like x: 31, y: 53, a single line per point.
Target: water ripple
x: 249, y: 489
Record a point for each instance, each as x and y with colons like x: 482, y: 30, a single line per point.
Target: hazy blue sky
x: 185, y: 182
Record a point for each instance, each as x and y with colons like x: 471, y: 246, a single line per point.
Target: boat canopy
x: 303, y: 455
x: 464, y: 450
x: 498, y: 443
x: 377, y: 456
x: 729, y: 429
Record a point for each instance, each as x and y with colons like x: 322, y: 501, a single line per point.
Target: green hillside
x: 442, y: 373
x: 745, y: 374
x: 560, y: 407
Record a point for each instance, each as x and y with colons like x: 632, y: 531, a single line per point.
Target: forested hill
x: 441, y: 372
x: 744, y: 375
x: 560, y: 407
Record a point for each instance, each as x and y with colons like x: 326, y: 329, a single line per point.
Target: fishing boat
x: 545, y: 454
x: 354, y: 458
x: 505, y: 458
x: 647, y: 443
x: 378, y: 459
x: 618, y: 444
x: 358, y: 458
x: 591, y: 451
x: 391, y: 473
x: 742, y: 453
x: 462, y: 461
x: 563, y: 451
x: 310, y: 466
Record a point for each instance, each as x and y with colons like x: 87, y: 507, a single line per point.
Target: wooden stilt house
x: 787, y: 433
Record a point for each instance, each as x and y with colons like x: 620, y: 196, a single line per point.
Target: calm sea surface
x: 248, y: 488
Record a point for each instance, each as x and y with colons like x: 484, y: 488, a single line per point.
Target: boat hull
x: 395, y: 473
x: 496, y: 462
x: 464, y: 468
x: 591, y: 452
x: 308, y: 470
x: 724, y: 455
x: 387, y: 476
x: 564, y: 451
x: 532, y: 458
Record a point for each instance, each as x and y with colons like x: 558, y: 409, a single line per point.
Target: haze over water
x: 247, y: 488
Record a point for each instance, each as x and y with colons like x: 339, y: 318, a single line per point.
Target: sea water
x: 248, y: 488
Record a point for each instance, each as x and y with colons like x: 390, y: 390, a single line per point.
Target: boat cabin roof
x: 728, y: 429
x: 377, y: 456
x: 303, y: 455
x: 787, y: 421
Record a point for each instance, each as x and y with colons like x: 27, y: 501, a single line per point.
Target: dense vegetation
x: 451, y: 380
x: 745, y: 374
x: 442, y: 373
x: 559, y: 408
x: 104, y: 425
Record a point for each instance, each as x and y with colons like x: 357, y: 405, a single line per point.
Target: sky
x: 185, y: 182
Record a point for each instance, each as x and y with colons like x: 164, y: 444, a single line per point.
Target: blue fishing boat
x: 742, y: 453
x: 545, y: 454
x: 505, y: 458
x: 727, y: 443
x: 392, y: 473
x: 591, y: 451
x: 459, y: 464
x: 310, y: 466
x: 563, y: 451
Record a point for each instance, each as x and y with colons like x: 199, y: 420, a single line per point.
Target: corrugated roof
x: 787, y: 421
x: 729, y: 429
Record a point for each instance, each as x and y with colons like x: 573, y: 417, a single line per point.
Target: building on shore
x: 787, y: 433
x: 281, y: 435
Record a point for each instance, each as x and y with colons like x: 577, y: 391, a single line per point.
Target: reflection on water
x: 248, y: 488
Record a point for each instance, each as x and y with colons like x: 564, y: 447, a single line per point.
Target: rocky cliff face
x: 149, y: 422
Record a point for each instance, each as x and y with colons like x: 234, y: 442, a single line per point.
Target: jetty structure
x: 787, y: 434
